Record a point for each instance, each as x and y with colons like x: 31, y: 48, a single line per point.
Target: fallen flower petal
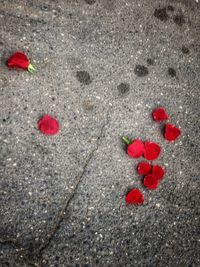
x: 150, y: 181
x: 48, y: 125
x: 159, y: 114
x: 171, y: 132
x: 135, y: 149
x: 144, y: 168
x: 152, y: 150
x: 20, y: 60
x: 134, y: 197
x: 158, y: 172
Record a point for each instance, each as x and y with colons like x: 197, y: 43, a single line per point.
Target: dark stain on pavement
x: 185, y: 49
x: 179, y: 20
x: 171, y: 72
x: 170, y: 8
x: 161, y: 14
x: 141, y: 70
x: 83, y: 77
x: 150, y: 61
x: 90, y: 2
x: 123, y: 89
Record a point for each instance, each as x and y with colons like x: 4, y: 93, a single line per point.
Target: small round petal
x: 18, y: 60
x: 134, y: 197
x: 144, y: 168
x: 159, y: 114
x: 150, y: 181
x: 48, y: 125
x: 152, y: 150
x: 158, y: 172
x: 135, y: 149
x: 171, y: 132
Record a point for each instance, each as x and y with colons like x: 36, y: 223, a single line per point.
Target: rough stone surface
x: 102, y: 67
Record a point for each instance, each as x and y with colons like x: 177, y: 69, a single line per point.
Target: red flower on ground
x: 135, y: 149
x: 144, y: 168
x: 150, y: 181
x: 158, y: 172
x: 48, y: 125
x: 152, y: 150
x: 21, y: 61
x: 171, y: 132
x: 159, y: 114
x: 134, y: 197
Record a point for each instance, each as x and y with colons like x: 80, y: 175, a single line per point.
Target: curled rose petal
x: 171, y: 132
x: 144, y: 168
x: 48, y: 125
x: 134, y: 197
x: 152, y: 150
x: 135, y: 149
x: 20, y: 60
x: 158, y: 172
x: 159, y: 114
x: 150, y: 181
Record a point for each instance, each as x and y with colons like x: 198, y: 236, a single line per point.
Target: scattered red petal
x: 158, y: 172
x: 135, y: 149
x: 48, y: 125
x: 152, y: 150
x: 134, y: 197
x: 160, y: 114
x: 171, y: 132
x: 144, y: 168
x: 18, y: 60
x: 150, y: 181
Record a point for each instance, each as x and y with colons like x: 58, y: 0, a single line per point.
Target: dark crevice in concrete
x: 69, y: 199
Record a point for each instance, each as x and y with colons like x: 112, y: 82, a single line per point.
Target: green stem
x: 126, y: 140
x: 31, y: 69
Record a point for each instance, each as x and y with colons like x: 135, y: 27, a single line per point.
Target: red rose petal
x: 160, y: 114
x: 158, y: 172
x: 150, y: 181
x: 134, y: 197
x: 18, y: 60
x: 144, y: 168
x: 152, y: 150
x: 135, y: 149
x: 48, y: 125
x: 171, y: 132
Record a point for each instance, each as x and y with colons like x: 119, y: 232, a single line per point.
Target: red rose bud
x: 144, y: 168
x: 160, y: 114
x: 158, y: 172
x: 48, y: 125
x: 134, y: 197
x: 150, y: 181
x: 152, y: 150
x: 20, y: 60
x: 171, y: 132
x: 135, y: 149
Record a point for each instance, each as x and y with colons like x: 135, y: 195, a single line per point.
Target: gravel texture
x: 102, y: 67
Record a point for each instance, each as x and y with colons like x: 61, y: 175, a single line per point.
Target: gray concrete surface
x: 102, y: 67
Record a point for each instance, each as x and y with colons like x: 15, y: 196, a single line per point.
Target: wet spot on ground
x: 170, y: 8
x: 150, y: 61
x: 171, y: 72
x: 141, y: 70
x: 90, y: 2
x: 83, y: 77
x: 161, y: 14
x: 179, y: 20
x: 123, y: 89
x: 185, y: 49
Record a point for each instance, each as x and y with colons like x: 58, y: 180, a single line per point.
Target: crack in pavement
x: 37, y: 254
